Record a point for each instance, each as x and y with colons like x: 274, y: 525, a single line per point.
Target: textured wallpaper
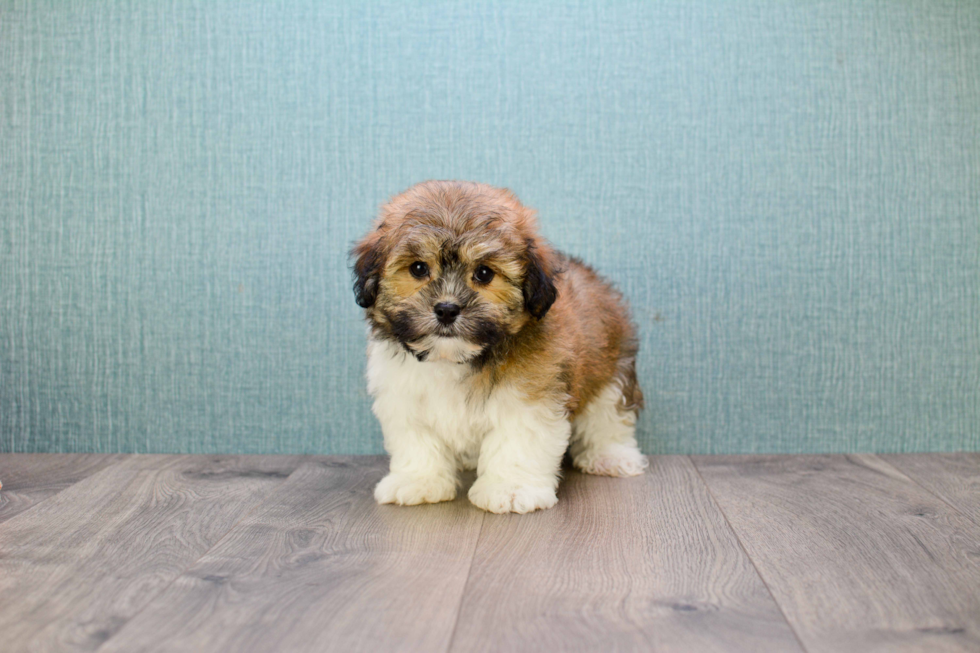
x: 788, y: 192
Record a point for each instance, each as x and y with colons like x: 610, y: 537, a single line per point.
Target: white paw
x: 407, y: 490
x: 613, y: 460
x: 496, y: 495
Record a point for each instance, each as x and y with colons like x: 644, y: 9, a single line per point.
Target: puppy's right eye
x: 419, y: 270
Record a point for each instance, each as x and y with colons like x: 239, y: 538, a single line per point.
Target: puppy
x: 489, y: 350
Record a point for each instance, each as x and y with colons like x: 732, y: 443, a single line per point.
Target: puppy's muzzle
x: 446, y: 312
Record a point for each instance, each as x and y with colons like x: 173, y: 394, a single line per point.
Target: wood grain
x: 77, y: 566
x: 30, y: 478
x: 320, y: 566
x: 953, y: 477
x: 177, y: 553
x: 859, y: 557
x: 644, y: 563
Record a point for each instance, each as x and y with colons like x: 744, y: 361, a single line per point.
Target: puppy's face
x: 451, y: 269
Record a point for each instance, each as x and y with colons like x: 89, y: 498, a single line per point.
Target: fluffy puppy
x: 489, y: 350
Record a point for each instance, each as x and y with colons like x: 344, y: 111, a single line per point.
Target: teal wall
x: 788, y: 192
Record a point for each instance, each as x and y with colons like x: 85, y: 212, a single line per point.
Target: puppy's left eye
x: 483, y: 274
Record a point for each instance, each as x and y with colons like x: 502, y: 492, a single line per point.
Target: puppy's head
x: 451, y: 268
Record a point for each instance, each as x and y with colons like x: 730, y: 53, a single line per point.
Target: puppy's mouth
x: 429, y: 340
x: 439, y: 348
x: 444, y: 331
x: 444, y: 343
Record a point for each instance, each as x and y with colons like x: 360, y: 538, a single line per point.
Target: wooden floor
x: 272, y: 553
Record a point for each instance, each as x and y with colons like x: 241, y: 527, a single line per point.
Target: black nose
x: 447, y: 312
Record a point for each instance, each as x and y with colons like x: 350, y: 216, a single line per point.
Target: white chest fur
x: 435, y: 400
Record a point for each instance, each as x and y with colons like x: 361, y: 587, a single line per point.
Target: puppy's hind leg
x: 604, y: 436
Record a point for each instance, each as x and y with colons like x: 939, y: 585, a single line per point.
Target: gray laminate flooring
x: 290, y: 553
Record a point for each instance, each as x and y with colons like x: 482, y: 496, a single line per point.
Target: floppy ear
x: 367, y: 269
x: 539, y: 286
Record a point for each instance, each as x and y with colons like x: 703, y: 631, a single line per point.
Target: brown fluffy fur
x: 546, y: 322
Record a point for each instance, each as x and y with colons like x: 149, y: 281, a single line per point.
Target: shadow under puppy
x: 489, y: 350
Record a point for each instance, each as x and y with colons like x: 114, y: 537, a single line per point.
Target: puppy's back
x: 591, y: 334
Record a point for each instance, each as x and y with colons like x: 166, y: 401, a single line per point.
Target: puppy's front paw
x: 407, y: 490
x: 498, y: 495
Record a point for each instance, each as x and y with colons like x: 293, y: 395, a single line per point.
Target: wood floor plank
x: 75, y: 567
x: 953, y: 477
x: 320, y: 567
x: 859, y: 557
x: 645, y: 563
x: 29, y: 478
